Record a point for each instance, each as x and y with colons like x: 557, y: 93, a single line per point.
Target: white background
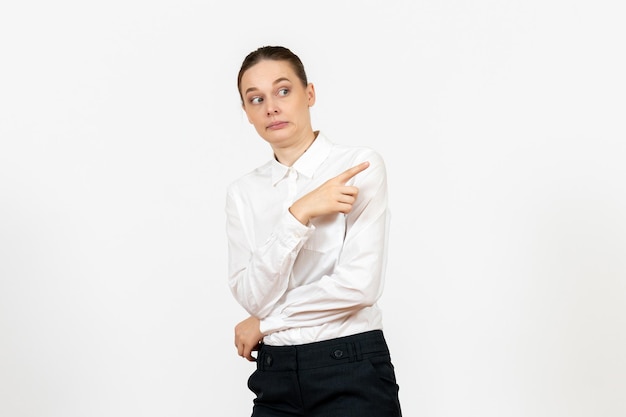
x: 502, y: 125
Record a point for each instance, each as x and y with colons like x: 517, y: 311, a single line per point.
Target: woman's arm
x: 258, y: 278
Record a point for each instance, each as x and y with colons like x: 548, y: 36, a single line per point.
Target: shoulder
x: 344, y: 156
x: 252, y: 179
x: 354, y: 153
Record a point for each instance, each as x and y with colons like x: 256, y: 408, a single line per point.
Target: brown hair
x: 273, y: 53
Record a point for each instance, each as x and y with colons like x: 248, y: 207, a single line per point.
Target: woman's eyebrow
x: 278, y: 80
x: 281, y: 79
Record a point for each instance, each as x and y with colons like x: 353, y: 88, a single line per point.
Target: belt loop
x: 357, y: 350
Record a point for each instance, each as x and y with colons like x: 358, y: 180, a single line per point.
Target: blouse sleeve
x: 259, y: 278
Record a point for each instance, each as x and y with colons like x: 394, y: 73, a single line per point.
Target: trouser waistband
x: 319, y: 354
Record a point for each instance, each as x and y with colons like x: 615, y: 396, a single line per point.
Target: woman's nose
x: 271, y: 108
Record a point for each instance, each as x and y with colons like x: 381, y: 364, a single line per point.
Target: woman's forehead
x: 267, y: 72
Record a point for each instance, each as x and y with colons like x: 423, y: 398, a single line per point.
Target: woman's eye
x: 256, y: 100
x: 283, y: 91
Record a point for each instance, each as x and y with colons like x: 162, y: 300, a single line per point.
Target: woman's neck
x: 290, y: 154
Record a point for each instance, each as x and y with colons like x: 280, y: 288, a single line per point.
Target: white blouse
x: 315, y: 282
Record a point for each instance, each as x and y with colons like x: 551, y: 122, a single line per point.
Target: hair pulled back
x: 272, y: 53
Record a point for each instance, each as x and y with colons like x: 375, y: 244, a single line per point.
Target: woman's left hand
x: 248, y: 336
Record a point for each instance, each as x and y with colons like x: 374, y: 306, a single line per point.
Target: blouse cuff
x: 295, y: 229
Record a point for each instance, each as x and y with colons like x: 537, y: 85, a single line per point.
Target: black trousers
x: 349, y: 376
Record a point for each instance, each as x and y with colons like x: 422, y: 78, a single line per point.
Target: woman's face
x: 277, y: 103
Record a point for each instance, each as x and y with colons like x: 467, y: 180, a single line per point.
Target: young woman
x: 307, y: 238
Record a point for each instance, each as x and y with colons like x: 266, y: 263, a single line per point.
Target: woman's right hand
x: 333, y: 196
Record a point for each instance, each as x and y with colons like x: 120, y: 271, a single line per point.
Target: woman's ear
x: 310, y: 92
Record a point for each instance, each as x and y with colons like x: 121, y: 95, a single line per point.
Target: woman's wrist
x: 299, y: 214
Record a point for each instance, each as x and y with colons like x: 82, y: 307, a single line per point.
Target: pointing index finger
x: 351, y: 172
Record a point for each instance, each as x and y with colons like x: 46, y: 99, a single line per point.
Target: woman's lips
x: 277, y: 125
